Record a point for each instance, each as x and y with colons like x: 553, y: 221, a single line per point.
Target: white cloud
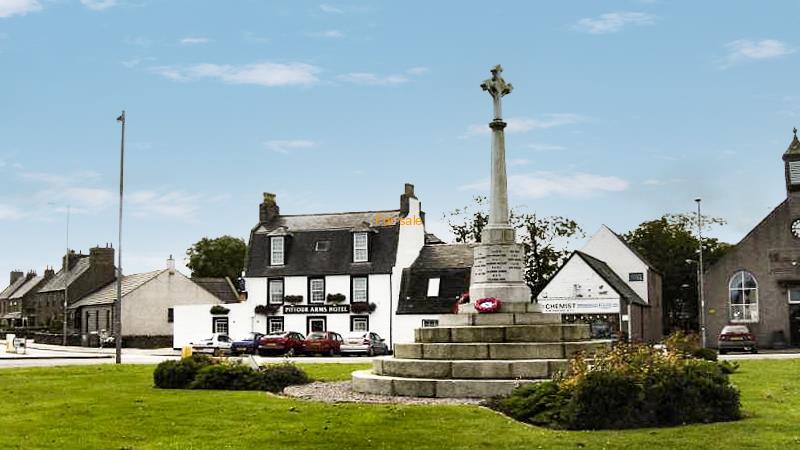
x: 613, y: 22
x: 330, y: 34
x: 175, y: 204
x: 367, y: 78
x: 546, y: 184
x: 194, y: 40
x: 10, y: 8
x: 744, y: 50
x: 373, y: 79
x: 525, y: 124
x: 417, y: 71
x: 330, y: 9
x: 285, y: 146
x: 98, y: 5
x: 518, y: 162
x: 653, y: 182
x: 544, y: 147
x: 9, y: 212
x: 261, y: 74
x: 90, y: 198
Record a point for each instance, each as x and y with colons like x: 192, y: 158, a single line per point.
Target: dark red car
x: 282, y: 342
x: 324, y: 342
x: 737, y: 338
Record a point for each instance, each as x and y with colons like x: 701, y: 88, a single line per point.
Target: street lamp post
x: 118, y: 303
x: 66, y: 286
x: 700, y: 274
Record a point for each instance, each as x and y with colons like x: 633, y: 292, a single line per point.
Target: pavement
x: 41, y: 355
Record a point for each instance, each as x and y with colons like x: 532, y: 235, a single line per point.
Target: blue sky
x: 622, y: 111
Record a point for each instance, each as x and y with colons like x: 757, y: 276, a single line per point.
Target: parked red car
x: 324, y: 342
x: 737, y: 338
x: 286, y: 342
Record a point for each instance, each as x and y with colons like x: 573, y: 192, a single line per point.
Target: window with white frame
x: 794, y: 295
x: 275, y: 291
x: 359, y: 323
x: 433, y: 287
x: 430, y: 323
x: 276, y: 251
x: 359, y: 289
x: 360, y: 247
x: 275, y: 325
x: 316, y: 290
x: 743, y: 297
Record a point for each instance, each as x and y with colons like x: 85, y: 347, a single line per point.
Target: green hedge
x: 200, y: 372
x: 628, y: 387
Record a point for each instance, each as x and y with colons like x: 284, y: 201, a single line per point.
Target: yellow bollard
x: 186, y: 351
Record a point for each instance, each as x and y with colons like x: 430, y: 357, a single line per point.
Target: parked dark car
x: 282, y: 342
x: 248, y: 345
x: 324, y: 342
x: 737, y: 338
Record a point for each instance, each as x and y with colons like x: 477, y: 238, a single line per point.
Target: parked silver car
x: 218, y: 345
x: 364, y: 342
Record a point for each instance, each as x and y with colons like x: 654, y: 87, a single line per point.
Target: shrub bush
x: 709, y: 354
x: 179, y: 374
x: 274, y: 378
x: 628, y: 386
x: 231, y: 377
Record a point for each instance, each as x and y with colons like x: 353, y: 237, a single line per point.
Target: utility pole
x: 118, y: 303
x: 700, y: 274
x: 66, y: 286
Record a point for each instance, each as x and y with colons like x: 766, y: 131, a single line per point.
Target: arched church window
x: 743, y: 297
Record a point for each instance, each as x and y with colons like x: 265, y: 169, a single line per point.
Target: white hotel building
x: 370, y: 270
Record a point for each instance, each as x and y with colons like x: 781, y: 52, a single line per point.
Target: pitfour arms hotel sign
x: 579, y: 306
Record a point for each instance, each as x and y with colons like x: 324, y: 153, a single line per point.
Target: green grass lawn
x: 88, y: 407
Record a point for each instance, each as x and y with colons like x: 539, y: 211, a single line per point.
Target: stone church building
x: 757, y: 283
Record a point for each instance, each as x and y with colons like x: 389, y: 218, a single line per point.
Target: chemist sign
x: 578, y: 306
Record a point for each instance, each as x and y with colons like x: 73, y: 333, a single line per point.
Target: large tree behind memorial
x: 545, y: 239
x: 667, y: 243
x: 219, y: 257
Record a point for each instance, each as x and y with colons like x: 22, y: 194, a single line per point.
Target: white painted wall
x: 607, y: 247
x: 578, y: 277
x: 193, y: 322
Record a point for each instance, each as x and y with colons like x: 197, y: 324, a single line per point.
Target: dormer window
x: 276, y: 251
x: 360, y: 247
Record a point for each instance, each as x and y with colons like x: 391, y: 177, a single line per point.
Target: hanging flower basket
x: 219, y: 310
x: 335, y: 298
x: 362, y: 307
x: 487, y: 305
x: 293, y: 299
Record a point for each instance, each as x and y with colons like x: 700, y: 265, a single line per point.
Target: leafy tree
x: 667, y: 243
x: 544, y: 239
x: 220, y: 257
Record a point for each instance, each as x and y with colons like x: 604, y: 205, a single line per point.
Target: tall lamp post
x: 66, y: 286
x: 118, y: 303
x: 700, y: 274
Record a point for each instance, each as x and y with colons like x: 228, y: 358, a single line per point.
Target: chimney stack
x: 16, y: 275
x: 408, y: 193
x: 49, y: 273
x: 171, y: 265
x: 268, y: 210
x: 101, y: 256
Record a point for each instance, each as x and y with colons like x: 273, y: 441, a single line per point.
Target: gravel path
x: 340, y: 392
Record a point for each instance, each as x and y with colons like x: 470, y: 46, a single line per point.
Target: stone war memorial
x: 476, y: 354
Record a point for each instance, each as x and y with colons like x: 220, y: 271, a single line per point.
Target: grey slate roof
x: 451, y: 263
x: 27, y: 287
x: 57, y: 282
x: 8, y: 291
x: 222, y: 288
x: 431, y: 238
x: 612, y: 279
x: 304, y: 231
x: 794, y: 146
x: 108, y: 294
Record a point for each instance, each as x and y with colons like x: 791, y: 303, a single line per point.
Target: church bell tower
x: 791, y: 161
